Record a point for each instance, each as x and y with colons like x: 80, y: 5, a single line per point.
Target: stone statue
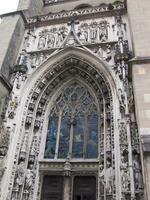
x: 42, y: 40
x: 29, y: 178
x: 2, y: 168
x: 109, y: 177
x: 12, y: 106
x: 20, y: 174
x: 137, y: 172
x: 19, y: 181
x: 51, y: 39
x: 67, y: 167
x: 62, y: 32
x: 119, y: 27
x: 83, y: 32
x: 125, y: 179
x: 103, y: 31
x: 4, y: 141
x: 22, y: 60
x: 93, y: 31
x: 108, y: 53
x: 100, y: 52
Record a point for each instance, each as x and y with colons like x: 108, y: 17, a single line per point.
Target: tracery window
x: 73, y: 125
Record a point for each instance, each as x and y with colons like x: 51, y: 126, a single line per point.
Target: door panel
x: 52, y: 188
x: 84, y: 188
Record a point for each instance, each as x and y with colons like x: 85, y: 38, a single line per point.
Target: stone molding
x: 103, y: 9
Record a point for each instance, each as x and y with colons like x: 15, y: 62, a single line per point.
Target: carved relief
x: 13, y: 104
x: 52, y: 38
x: 116, y: 6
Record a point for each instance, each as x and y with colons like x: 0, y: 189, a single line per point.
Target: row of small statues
x: 87, y: 33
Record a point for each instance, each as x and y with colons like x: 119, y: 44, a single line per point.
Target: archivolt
x: 38, y: 104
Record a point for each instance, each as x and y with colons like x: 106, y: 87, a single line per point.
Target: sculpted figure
x: 29, y: 179
x: 42, y: 40
x: 50, y: 40
x: 22, y: 60
x: 137, y: 172
x: 20, y: 174
x: 12, y: 106
x: 93, y: 32
x: 103, y: 31
x: 119, y: 27
x: 109, y: 177
x: 61, y: 33
x: 125, y: 178
x: 83, y: 32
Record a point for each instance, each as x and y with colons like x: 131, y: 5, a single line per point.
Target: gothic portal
x: 70, y: 129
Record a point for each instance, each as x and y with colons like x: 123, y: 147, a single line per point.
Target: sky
x: 7, y: 6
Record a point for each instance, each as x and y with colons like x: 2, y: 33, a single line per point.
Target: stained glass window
x: 51, y: 136
x: 73, y: 131
x: 64, y: 137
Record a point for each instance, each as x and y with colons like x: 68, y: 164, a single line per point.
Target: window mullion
x: 85, y: 137
x: 71, y: 137
x: 58, y: 135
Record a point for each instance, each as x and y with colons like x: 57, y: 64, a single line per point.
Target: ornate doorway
x: 81, y: 122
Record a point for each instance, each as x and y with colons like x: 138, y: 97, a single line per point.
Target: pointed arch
x: 40, y: 90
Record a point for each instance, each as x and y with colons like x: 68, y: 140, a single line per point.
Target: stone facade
x: 100, y: 49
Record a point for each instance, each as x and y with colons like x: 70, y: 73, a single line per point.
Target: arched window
x: 73, y: 125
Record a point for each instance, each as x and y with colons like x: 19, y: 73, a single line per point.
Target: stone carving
x: 52, y: 38
x: 29, y: 181
x: 67, y: 167
x: 19, y: 79
x: 107, y: 176
x: 103, y: 31
x: 19, y: 181
x: 24, y: 147
x: 38, y: 58
x: 81, y: 12
x: 125, y: 179
x: 119, y: 28
x: 20, y: 174
x: 106, y: 53
x: 29, y: 38
x: 121, y: 97
x: 83, y: 33
x: 4, y: 141
x: 22, y: 60
x: 137, y: 172
x: 2, y: 168
x: 13, y: 104
x: 93, y: 32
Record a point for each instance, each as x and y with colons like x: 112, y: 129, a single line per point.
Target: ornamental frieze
x: 77, y: 33
x: 103, y: 8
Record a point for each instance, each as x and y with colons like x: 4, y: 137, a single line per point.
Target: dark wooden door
x: 52, y: 188
x: 84, y: 188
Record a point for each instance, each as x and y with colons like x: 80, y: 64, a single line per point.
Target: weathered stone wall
x: 11, y: 34
x: 73, y: 4
x: 139, y: 16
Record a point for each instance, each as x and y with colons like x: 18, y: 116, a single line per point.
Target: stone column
x: 67, y: 188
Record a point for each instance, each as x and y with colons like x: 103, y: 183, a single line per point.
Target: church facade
x: 75, y: 100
